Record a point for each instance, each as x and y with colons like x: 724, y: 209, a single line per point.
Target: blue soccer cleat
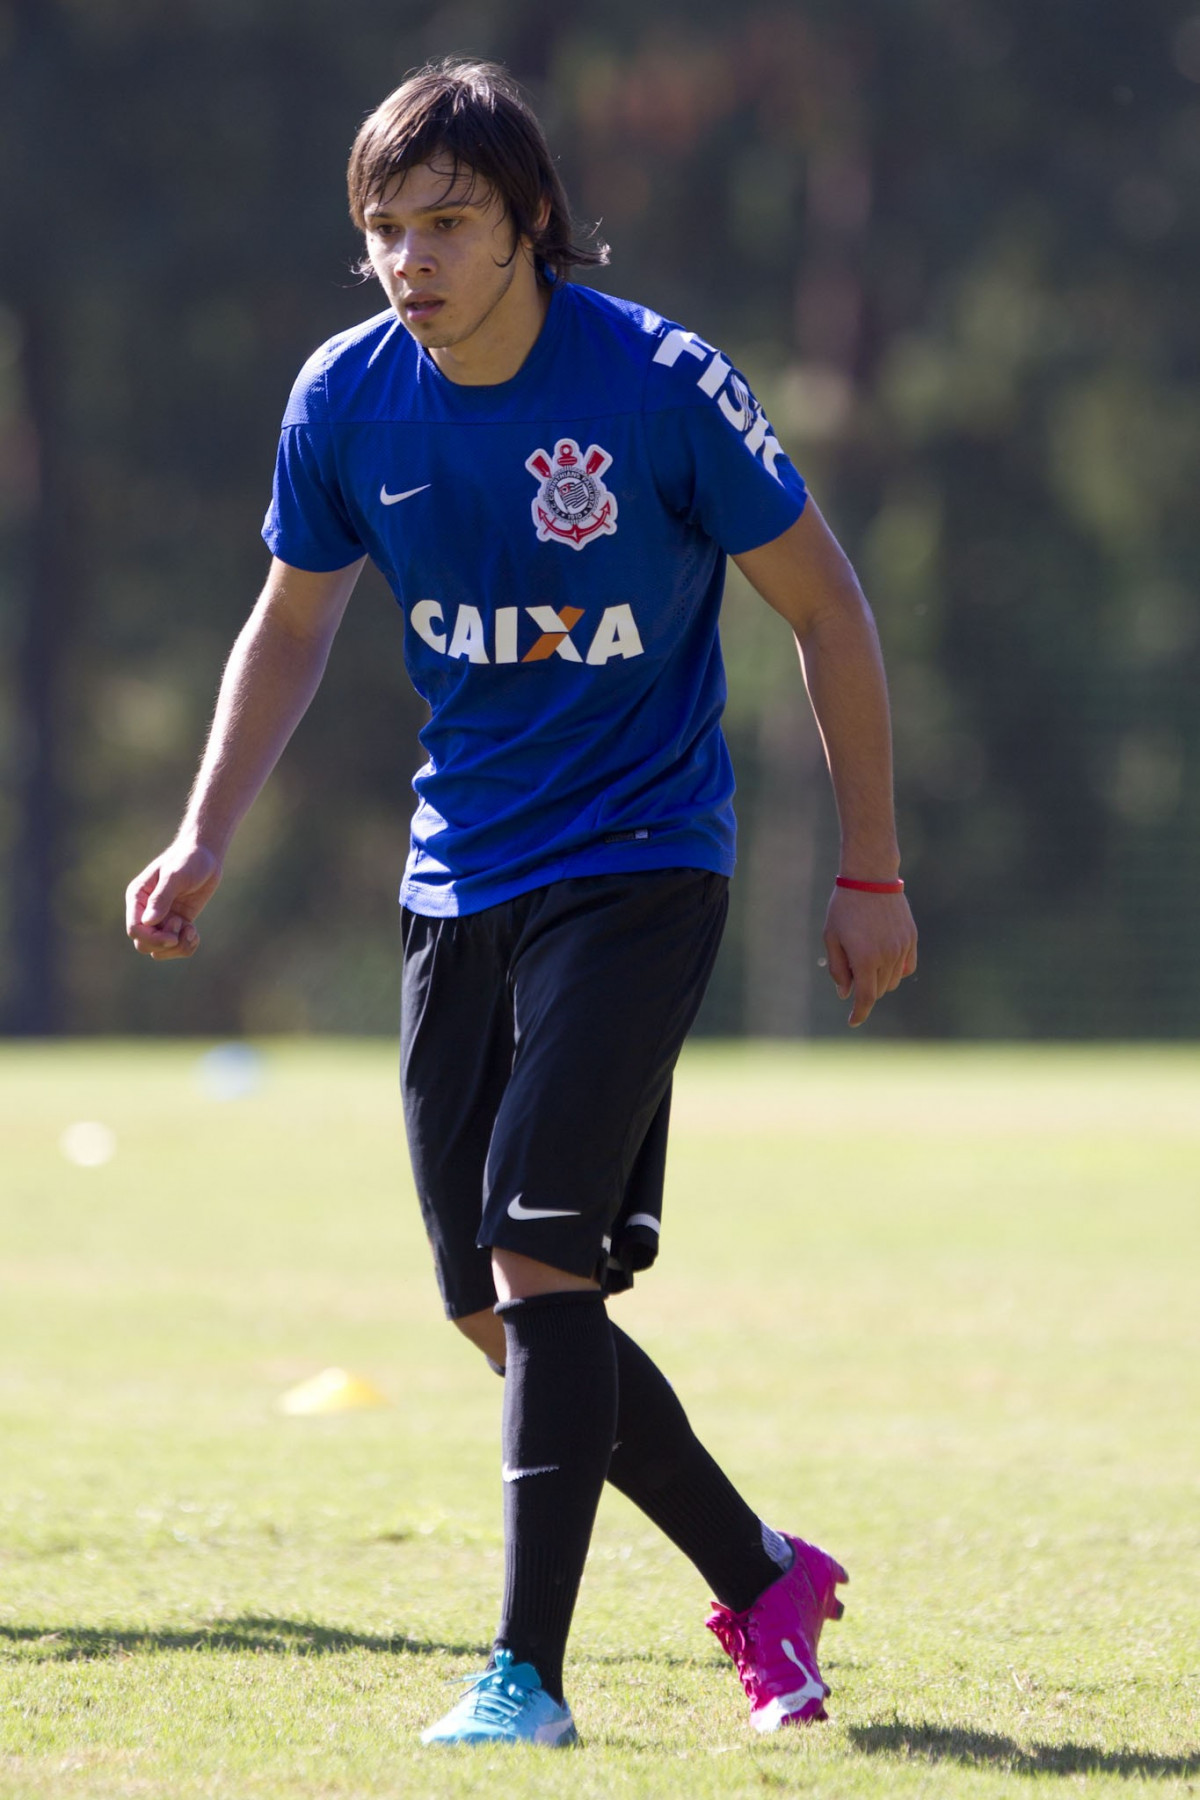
x: 507, y: 1704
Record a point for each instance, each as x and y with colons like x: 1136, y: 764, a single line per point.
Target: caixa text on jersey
x: 568, y: 633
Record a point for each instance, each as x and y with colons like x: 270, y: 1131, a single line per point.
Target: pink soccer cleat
x: 774, y: 1643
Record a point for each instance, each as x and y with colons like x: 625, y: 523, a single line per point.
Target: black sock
x: 660, y: 1464
x: 560, y: 1408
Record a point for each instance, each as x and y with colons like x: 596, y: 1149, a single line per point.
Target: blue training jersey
x: 557, y: 544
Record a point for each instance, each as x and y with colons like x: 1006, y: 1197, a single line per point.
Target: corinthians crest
x: 572, y: 505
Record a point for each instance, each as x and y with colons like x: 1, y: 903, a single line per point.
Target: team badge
x: 572, y: 505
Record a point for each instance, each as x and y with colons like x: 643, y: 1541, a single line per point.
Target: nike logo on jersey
x: 395, y: 499
x: 518, y: 1210
x: 511, y: 1474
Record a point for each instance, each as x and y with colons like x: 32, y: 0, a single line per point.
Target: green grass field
x: 937, y: 1308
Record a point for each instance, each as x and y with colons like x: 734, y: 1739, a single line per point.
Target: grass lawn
x: 937, y: 1308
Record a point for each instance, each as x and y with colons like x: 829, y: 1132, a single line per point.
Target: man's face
x: 442, y: 245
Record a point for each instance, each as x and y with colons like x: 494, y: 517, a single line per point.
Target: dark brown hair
x: 473, y: 114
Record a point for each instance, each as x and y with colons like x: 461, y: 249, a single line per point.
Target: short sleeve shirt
x: 557, y: 546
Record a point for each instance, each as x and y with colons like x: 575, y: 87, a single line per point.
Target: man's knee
x: 520, y: 1277
x: 486, y: 1333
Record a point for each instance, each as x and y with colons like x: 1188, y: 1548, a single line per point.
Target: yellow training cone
x: 333, y: 1390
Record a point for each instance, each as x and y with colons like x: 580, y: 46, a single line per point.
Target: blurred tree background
x: 954, y: 245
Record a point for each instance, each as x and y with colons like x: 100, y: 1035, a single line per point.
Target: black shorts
x: 537, y: 1044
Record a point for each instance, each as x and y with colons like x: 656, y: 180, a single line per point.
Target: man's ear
x: 541, y: 220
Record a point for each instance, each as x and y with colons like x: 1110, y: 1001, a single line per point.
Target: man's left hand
x: 871, y: 944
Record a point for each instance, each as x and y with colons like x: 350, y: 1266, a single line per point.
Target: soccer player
x: 551, y: 481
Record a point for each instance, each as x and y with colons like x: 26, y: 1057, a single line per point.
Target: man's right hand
x: 273, y: 672
x: 162, y: 902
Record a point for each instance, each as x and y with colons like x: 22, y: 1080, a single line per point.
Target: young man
x: 551, y: 480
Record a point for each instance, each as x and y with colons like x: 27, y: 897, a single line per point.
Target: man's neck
x: 498, y: 350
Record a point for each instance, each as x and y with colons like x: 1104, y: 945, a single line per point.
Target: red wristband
x: 871, y: 887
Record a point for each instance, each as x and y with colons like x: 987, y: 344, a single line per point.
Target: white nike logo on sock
x: 511, y: 1474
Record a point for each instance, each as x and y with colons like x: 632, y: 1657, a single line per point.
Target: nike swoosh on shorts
x: 517, y: 1210
x: 394, y: 499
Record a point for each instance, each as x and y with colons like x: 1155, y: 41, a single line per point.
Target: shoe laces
x: 495, y: 1698
x: 736, y: 1634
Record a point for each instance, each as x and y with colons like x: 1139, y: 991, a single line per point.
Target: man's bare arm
x: 274, y: 669
x: 870, y: 939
